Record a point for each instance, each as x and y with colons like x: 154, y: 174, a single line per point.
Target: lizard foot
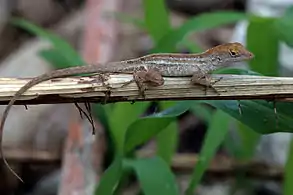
x: 205, y: 80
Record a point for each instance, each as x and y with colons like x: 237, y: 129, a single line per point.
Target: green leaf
x: 198, y: 23
x: 63, y: 47
x: 156, y: 18
x: 216, y: 133
x: 241, y: 145
x: 155, y: 176
x: 166, y: 142
x: 193, y: 47
x: 258, y: 115
x: 110, y: 178
x: 201, y: 111
x: 283, y: 108
x: 102, y: 113
x: 121, y: 117
x: 145, y: 128
x: 54, y: 57
x: 284, y: 27
x: 167, y: 139
x: 264, y: 47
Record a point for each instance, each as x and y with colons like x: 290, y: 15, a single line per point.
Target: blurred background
x: 183, y: 147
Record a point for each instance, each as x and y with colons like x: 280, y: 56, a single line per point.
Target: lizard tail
x: 44, y: 77
x: 5, y: 114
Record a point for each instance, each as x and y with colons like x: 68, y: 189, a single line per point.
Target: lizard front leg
x: 204, y: 79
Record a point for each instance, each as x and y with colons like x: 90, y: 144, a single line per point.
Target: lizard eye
x: 233, y: 52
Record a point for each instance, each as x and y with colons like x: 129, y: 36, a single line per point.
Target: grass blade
x: 215, y: 136
x: 155, y: 176
x: 156, y: 18
x: 110, y: 178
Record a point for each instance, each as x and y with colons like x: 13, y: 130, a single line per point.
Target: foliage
x: 131, y: 130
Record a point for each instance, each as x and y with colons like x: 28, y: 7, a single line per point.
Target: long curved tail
x: 44, y: 77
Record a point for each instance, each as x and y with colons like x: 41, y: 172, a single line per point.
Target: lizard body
x: 148, y: 69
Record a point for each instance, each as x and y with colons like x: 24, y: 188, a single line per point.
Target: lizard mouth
x: 250, y: 55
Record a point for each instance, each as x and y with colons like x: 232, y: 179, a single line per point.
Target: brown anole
x: 149, y: 70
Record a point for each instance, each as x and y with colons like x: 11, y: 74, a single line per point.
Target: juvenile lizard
x: 149, y: 70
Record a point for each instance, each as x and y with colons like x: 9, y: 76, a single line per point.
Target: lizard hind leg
x: 145, y: 78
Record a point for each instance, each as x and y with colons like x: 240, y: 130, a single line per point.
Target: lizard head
x: 229, y: 53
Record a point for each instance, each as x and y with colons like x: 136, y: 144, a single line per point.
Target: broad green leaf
x: 193, y: 47
x: 241, y: 144
x: 167, y: 139
x: 156, y: 18
x: 145, y: 128
x: 64, y: 48
x: 155, y: 176
x: 121, y: 117
x: 232, y: 145
x: 202, y: 111
x: 166, y: 142
x: 198, y: 23
x: 288, y: 172
x: 216, y: 134
x: 284, y: 108
x: 110, y: 178
x: 257, y: 114
x: 284, y: 27
x: 264, y: 47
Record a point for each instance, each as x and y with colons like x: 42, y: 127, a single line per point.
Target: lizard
x: 148, y: 70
